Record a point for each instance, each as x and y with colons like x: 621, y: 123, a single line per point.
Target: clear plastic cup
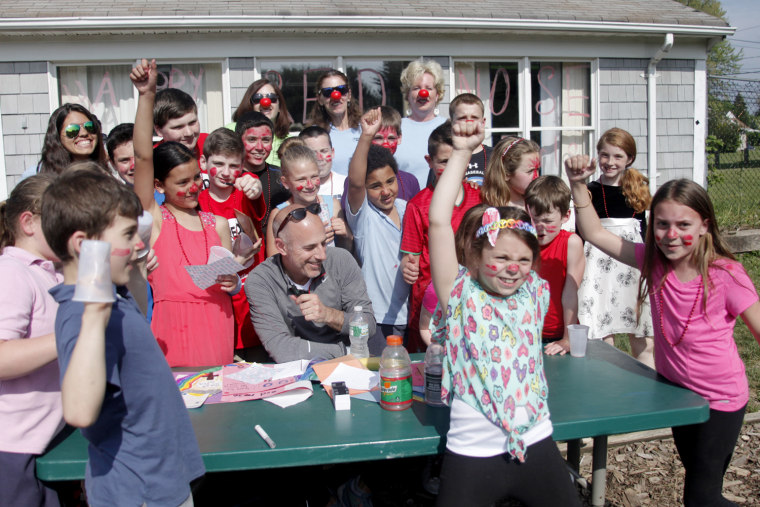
x: 94, y: 283
x: 144, y: 228
x: 217, y: 253
x: 578, y: 339
x: 241, y: 246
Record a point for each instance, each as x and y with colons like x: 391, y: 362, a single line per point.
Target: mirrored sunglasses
x: 72, y: 129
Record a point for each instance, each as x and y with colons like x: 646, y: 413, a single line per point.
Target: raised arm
x: 578, y: 168
x: 357, y: 169
x: 144, y: 76
x: 467, y: 135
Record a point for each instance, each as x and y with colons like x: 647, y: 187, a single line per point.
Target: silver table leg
x: 599, y: 471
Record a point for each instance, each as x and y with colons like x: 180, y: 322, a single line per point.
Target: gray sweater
x: 283, y: 331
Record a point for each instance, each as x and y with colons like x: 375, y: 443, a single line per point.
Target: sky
x: 745, y: 16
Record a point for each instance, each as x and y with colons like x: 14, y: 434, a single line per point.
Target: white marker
x: 263, y: 434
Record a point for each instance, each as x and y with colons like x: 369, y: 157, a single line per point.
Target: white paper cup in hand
x: 144, y: 228
x: 578, y: 339
x: 94, y: 283
x: 217, y: 253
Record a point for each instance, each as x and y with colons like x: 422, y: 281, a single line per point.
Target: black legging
x: 705, y: 451
x: 541, y: 480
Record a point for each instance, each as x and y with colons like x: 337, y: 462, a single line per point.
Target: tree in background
x: 723, y: 59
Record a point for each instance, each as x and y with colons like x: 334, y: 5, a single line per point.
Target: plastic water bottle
x: 433, y: 374
x: 359, y: 333
x: 395, y: 376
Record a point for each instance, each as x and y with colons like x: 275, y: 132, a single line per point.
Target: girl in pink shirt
x: 696, y: 290
x: 30, y: 393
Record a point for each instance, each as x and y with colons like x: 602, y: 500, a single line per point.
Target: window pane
x: 108, y: 93
x: 560, y: 94
x: 496, y: 85
x: 376, y: 83
x: 297, y: 81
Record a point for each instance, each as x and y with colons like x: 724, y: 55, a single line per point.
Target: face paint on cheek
x: 213, y: 172
x: 180, y: 194
x: 121, y: 252
x: 688, y: 240
x: 299, y: 188
x: 236, y: 174
x: 551, y: 229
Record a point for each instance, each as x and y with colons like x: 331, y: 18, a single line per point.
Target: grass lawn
x: 735, y: 194
x: 749, y: 350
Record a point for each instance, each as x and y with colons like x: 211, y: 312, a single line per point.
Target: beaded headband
x: 492, y: 223
x: 509, y: 147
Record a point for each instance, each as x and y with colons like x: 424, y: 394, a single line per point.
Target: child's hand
x: 410, y: 268
x: 144, y: 77
x: 228, y: 283
x: 245, y: 257
x: 371, y: 122
x: 339, y: 226
x: 467, y: 134
x: 579, y: 167
x: 329, y: 233
x: 560, y: 347
x: 249, y: 185
x: 151, y: 261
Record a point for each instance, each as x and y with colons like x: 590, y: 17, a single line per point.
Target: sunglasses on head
x: 256, y: 97
x: 299, y: 214
x: 326, y: 92
x: 72, y: 129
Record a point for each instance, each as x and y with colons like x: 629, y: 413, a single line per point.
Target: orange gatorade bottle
x: 395, y: 376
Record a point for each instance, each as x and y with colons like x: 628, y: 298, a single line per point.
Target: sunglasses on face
x: 256, y: 97
x: 299, y: 214
x: 326, y: 92
x: 72, y: 129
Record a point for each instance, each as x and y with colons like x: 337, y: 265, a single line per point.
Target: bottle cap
x: 394, y: 340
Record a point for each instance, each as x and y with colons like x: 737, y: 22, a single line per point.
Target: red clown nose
x: 423, y: 93
x: 336, y: 95
x: 266, y: 102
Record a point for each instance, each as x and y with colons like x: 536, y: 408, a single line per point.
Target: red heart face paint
x: 387, y: 138
x: 688, y: 240
x: 124, y: 252
x: 336, y: 95
x: 299, y: 188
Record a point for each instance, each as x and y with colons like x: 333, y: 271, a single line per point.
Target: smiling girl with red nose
x: 696, y: 290
x: 193, y: 326
x: 492, y: 306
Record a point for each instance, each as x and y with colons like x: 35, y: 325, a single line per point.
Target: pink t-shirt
x: 706, y: 360
x: 30, y: 406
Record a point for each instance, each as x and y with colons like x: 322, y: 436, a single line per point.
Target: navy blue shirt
x: 142, y: 446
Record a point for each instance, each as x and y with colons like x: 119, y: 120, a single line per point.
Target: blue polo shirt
x: 376, y: 242
x: 142, y: 446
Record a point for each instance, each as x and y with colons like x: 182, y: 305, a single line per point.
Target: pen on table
x: 263, y: 434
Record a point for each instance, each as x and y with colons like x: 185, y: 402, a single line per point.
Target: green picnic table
x: 605, y: 393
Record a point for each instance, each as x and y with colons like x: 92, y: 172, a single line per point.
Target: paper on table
x: 355, y: 378
x: 257, y: 373
x: 205, y: 275
x: 193, y: 400
x: 294, y: 394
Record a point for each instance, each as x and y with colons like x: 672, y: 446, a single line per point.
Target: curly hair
x: 283, y: 121
x: 506, y: 158
x: 635, y: 185
x: 415, y: 70
x: 319, y: 114
x: 55, y: 157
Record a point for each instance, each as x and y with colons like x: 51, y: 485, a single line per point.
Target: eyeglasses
x: 256, y: 97
x: 299, y: 214
x: 72, y: 129
x: 326, y: 92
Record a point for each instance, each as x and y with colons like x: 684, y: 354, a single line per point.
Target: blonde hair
x: 504, y: 161
x: 415, y: 70
x: 288, y: 143
x: 296, y: 152
x: 635, y: 185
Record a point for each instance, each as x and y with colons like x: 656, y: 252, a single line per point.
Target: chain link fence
x: 733, y: 151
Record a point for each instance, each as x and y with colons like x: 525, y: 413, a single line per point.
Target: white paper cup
x: 94, y: 283
x: 578, y: 339
x: 217, y: 253
x: 144, y: 228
